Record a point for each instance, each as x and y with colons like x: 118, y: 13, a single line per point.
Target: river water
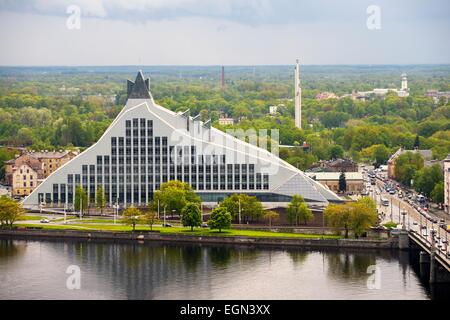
x: 32, y: 269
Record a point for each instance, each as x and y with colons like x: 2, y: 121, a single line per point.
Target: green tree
x: 437, y: 195
x: 363, y: 216
x: 100, y: 199
x: 174, y: 195
x: 380, y: 155
x: 427, y: 178
x: 25, y: 137
x: 251, y: 208
x: 220, y: 219
x: 132, y: 216
x: 191, y: 216
x: 336, y: 152
x: 271, y: 216
x: 417, y: 142
x: 338, y: 216
x: 10, y: 212
x: 342, y: 182
x: 298, y: 210
x: 406, y: 166
x: 358, y: 216
x: 81, y: 200
x: 151, y: 218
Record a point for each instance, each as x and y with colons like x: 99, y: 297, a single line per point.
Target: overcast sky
x: 223, y: 32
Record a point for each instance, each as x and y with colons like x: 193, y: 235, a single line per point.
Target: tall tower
x: 298, y: 97
x: 223, y: 77
x: 404, y: 82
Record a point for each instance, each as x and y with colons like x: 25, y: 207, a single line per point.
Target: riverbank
x: 306, y: 241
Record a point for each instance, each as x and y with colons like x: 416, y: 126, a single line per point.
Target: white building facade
x: 147, y: 145
x: 447, y: 184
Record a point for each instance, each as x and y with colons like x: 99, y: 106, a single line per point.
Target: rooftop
x: 334, y: 175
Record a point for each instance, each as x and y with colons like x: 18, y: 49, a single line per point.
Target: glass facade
x: 139, y: 162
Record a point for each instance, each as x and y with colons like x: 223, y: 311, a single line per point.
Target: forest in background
x: 62, y: 107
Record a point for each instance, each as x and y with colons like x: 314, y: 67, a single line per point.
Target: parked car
x: 204, y: 225
x: 45, y: 220
x: 167, y: 225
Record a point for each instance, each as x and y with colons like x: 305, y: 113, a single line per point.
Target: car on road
x: 420, y: 198
x: 166, y: 225
x: 204, y: 225
x: 385, y: 202
x: 45, y: 220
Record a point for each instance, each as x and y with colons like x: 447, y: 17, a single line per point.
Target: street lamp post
x: 116, y: 212
x: 404, y: 224
x: 409, y: 225
x: 392, y: 213
x: 420, y: 217
x: 65, y: 215
x: 164, y: 216
x: 81, y: 207
x: 158, y: 210
x: 239, y: 201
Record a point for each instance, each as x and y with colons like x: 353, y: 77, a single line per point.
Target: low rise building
x: 436, y: 95
x: 273, y: 110
x: 367, y: 95
x: 426, y: 154
x: 223, y: 121
x: 25, y: 172
x: 335, y: 165
x: 326, y: 95
x: 25, y: 179
x: 354, y: 180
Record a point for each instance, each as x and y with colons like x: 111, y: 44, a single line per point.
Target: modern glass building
x: 147, y: 145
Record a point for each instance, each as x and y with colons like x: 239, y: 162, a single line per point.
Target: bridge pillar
x: 424, y: 263
x: 433, y: 266
x: 403, y: 240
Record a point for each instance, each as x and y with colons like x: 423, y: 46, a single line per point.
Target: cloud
x: 246, y: 11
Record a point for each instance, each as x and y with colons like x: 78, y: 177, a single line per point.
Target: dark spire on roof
x: 140, y: 88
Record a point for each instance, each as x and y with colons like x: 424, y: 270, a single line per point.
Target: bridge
x: 418, y: 230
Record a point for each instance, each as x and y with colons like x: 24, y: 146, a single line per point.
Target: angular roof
x: 140, y: 88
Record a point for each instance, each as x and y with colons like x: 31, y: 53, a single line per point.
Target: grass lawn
x: 23, y: 218
x: 89, y: 220
x: 187, y: 231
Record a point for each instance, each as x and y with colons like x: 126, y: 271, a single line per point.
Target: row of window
x: 139, y: 163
